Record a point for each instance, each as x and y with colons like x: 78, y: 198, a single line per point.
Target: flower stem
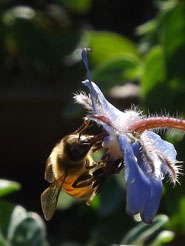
x: 157, y: 122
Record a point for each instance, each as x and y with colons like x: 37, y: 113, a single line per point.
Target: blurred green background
x: 138, y: 57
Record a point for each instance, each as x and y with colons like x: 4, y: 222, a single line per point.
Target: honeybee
x: 70, y: 168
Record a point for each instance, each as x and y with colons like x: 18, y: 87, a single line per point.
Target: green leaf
x: 25, y: 229
x: 3, y: 241
x: 154, y: 69
x: 39, y: 37
x: 139, y: 234
x: 5, y: 213
x: 20, y: 228
x: 7, y: 187
x: 174, y: 41
x: 177, y: 221
x: 17, y: 216
x: 154, y: 84
x: 79, y: 6
x: 11, y: 14
x: 147, y: 28
x: 30, y: 232
x: 164, y: 72
x: 107, y: 45
x: 163, y: 237
x: 118, y: 70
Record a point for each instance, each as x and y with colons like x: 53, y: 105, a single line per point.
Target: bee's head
x: 77, y: 147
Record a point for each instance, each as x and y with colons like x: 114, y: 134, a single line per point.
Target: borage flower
x: 147, y: 158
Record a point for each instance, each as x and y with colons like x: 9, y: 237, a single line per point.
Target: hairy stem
x: 157, y: 122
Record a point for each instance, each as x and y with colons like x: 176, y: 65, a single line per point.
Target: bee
x: 70, y: 168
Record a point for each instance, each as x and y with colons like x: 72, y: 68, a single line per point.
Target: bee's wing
x: 48, y: 175
x: 50, y: 196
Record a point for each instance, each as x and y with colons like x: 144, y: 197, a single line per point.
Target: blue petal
x: 100, y: 105
x: 138, y: 185
x: 85, y: 60
x: 162, y: 145
x: 143, y: 188
x: 152, y: 204
x: 139, y: 155
x: 94, y: 95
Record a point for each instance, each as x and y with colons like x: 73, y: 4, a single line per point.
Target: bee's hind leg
x: 84, y: 180
x: 96, y: 191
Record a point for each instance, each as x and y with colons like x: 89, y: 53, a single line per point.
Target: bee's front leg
x: 82, y: 127
x: 88, y: 166
x: 100, y: 163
